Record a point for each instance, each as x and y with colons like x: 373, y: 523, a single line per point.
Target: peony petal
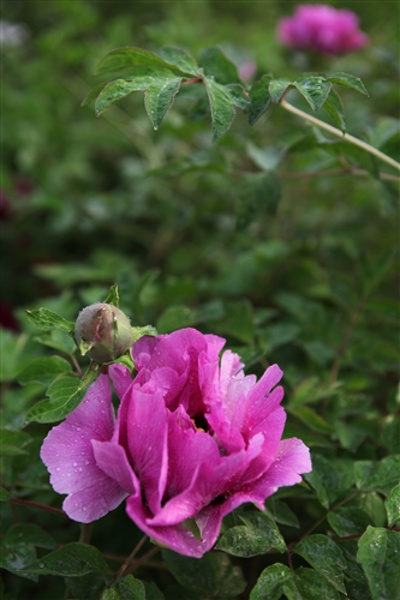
x: 94, y: 501
x: 112, y: 460
x: 121, y: 378
x: 147, y: 439
x: 292, y: 460
x: 176, y: 537
x: 67, y: 451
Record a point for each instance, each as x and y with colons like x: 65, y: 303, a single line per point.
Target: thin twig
x: 338, y: 133
x: 52, y: 509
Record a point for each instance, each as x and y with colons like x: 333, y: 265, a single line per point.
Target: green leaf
x: 126, y: 588
x: 239, y: 96
x: 213, y: 575
x: 221, y: 107
x: 216, y: 64
x: 349, y: 521
x: 29, y: 534
x: 258, y: 535
x: 270, y: 582
x: 379, y: 555
x: 349, y: 81
x: 181, y: 59
x: 128, y: 59
x: 260, y: 98
x: 277, y: 88
x: 315, y: 89
x: 64, y: 394
x: 310, y: 585
x: 72, y: 560
x: 392, y: 505
x: 333, y: 107
x: 120, y: 88
x: 258, y: 195
x: 159, y: 97
x: 378, y: 476
x: 43, y: 370
x: 46, y: 319
x: 14, y: 557
x: 92, y: 95
x: 324, y: 479
x: 281, y: 513
x: 325, y: 556
x: 113, y: 296
x: 12, y: 443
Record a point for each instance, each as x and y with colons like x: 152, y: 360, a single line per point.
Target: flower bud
x: 103, y: 332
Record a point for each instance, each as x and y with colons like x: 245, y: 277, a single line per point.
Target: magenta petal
x: 177, y: 537
x: 112, y: 459
x: 68, y: 454
x: 121, y: 378
x: 292, y: 460
x: 94, y: 501
x: 147, y: 439
x: 67, y: 451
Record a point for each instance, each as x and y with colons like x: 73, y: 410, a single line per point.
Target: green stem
x: 344, y: 136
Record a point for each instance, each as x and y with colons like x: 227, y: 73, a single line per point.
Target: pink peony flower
x: 194, y: 438
x: 323, y: 29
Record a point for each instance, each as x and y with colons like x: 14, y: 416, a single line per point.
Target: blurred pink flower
x: 322, y: 28
x: 194, y: 439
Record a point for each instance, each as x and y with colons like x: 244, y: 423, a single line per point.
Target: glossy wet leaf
x: 326, y: 557
x: 259, y: 534
x: 392, y: 505
x: 270, y: 583
x: 47, y: 319
x: 349, y: 81
x: 221, y: 107
x: 260, y: 98
x: 379, y: 555
x: 217, y: 65
x: 64, y: 395
x: 159, y: 97
x: 71, y: 560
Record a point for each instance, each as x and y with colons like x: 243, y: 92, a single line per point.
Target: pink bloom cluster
x: 323, y: 29
x: 193, y: 439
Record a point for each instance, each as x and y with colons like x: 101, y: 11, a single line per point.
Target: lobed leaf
x: 216, y: 64
x: 65, y: 394
x: 121, y: 60
x: 46, y: 319
x: 315, y: 89
x: 260, y: 98
x: 121, y: 88
x: 349, y: 81
x: 159, y: 97
x: 221, y: 107
x: 181, y: 59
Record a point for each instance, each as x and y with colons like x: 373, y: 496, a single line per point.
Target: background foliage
x: 277, y: 237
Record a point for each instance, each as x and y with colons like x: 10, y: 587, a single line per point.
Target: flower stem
x: 345, y: 136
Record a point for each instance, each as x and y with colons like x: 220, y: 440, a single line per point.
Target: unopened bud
x: 103, y: 332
